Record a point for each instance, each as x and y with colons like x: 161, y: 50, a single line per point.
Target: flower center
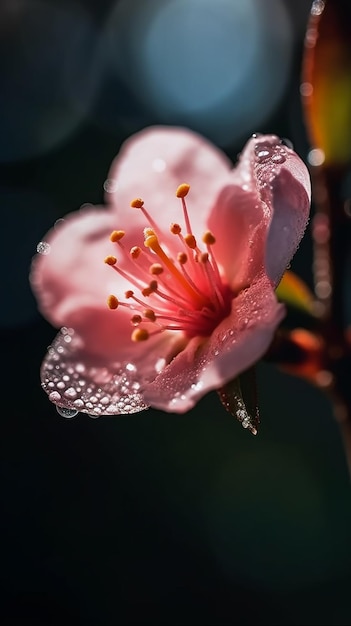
x: 186, y: 294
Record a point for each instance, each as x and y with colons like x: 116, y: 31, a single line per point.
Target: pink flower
x: 189, y: 303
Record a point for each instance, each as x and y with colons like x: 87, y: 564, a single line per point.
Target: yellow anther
x: 190, y: 241
x: 151, y: 240
x: 203, y: 257
x: 156, y: 269
x: 135, y: 252
x: 137, y: 203
x: 208, y: 238
x: 129, y: 294
x: 150, y: 315
x: 182, y: 258
x: 116, y: 235
x: 136, y: 319
x: 110, y: 260
x: 140, y: 334
x: 175, y: 229
x: 112, y: 302
x: 146, y: 292
x: 153, y: 285
x: 182, y: 190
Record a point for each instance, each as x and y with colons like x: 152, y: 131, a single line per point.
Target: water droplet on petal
x: 43, y: 247
x: 110, y: 185
x: 278, y: 157
x: 54, y: 396
x: 67, y: 413
x: 70, y: 393
x: 263, y: 155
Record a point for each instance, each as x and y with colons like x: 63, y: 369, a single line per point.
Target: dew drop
x: 317, y: 7
x: 70, y: 393
x: 263, y: 155
x: 110, y: 185
x: 67, y: 413
x: 278, y: 158
x: 54, y: 396
x: 78, y: 404
x: 43, y: 247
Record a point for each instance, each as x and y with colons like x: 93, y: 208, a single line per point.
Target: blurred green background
x: 154, y: 518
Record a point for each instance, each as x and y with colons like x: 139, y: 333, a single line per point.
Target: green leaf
x: 294, y: 292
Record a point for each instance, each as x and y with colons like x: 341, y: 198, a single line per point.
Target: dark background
x: 150, y: 518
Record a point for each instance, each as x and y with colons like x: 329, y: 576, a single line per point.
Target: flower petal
x: 74, y: 381
x: 291, y: 197
x: 238, y: 342
x: 73, y: 272
x: 72, y: 284
x: 153, y: 163
x: 74, y: 378
x: 262, y: 211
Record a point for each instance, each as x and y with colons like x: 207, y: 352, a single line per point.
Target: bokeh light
x: 48, y: 75
x: 219, y: 67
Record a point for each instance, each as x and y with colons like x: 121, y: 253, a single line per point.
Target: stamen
x: 208, y: 238
x: 175, y: 229
x: 112, y: 302
x: 190, y: 241
x: 182, y: 258
x: 150, y: 315
x: 156, y: 269
x: 152, y: 287
x: 136, y: 319
x: 117, y: 235
x: 137, y: 203
x: 193, y: 297
x: 211, y: 278
x: 135, y: 252
x: 140, y: 334
x: 110, y: 260
x: 181, y: 192
x: 152, y: 242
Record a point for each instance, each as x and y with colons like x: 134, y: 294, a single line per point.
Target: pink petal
x: 72, y: 284
x: 75, y: 378
x: 238, y: 342
x: 74, y: 272
x: 260, y: 215
x: 153, y: 163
